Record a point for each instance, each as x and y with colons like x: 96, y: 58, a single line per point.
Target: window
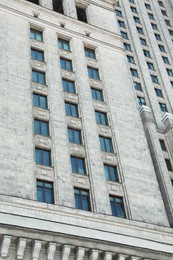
x: 74, y: 136
x: 43, y: 157
x: 134, y: 10
x: 171, y: 83
x: 93, y: 73
x: 101, y: 118
x: 41, y: 127
x: 151, y: 16
x: 161, y: 3
x: 130, y: 59
x: 162, y: 144
x: 89, y: 53
x: 165, y: 60
x: 136, y: 19
x: 132, y: 1
x: 139, y: 30
x: 124, y: 35
x: 97, y: 94
x: 161, y: 47
x: 164, y: 13
x: 150, y: 66
x: 163, y: 107
x: 45, y: 192
x: 171, y: 32
x: 170, y: 72
x: 154, y: 26
x: 117, y: 206
x: 154, y: 79
x: 40, y: 101
x: 127, y: 47
x: 63, y: 44
x: 158, y: 92
x: 158, y: 37
x: 137, y: 86
x: 134, y: 73
x: 36, y: 35
x: 111, y: 173
x: 148, y: 6
x: 143, y: 41
x: 106, y: 144
x: 147, y: 54
x: 141, y: 101
x: 168, y: 165
x: 168, y: 22
x: 78, y: 165
x: 34, y: 1
x: 81, y: 14
x: 66, y: 64
x: 118, y: 13
x: 57, y: 6
x: 38, y: 77
x: 71, y: 109
x: 37, y: 55
x: 121, y: 23
x: 68, y: 86
x: 82, y: 199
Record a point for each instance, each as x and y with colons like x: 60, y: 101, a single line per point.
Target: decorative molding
x: 65, y: 252
x: 51, y: 251
x: 21, y: 248
x: 93, y: 254
x: 36, y: 249
x: 6, y: 240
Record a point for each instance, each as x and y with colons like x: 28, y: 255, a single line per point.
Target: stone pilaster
x: 46, y: 3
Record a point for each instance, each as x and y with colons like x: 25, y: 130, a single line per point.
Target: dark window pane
x: 82, y: 199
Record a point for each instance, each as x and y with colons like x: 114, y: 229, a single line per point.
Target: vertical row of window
x: 130, y: 56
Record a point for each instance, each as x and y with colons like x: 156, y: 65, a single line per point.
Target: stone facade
x: 34, y: 230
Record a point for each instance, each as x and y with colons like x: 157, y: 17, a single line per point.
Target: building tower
x: 86, y: 167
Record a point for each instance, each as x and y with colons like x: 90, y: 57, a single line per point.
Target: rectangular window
x: 63, y: 44
x: 147, y: 54
x: 165, y: 60
x: 101, y: 118
x: 68, y: 86
x: 74, y: 136
x: 124, y: 35
x: 162, y: 144
x: 118, y: 13
x: 78, y: 165
x: 131, y: 59
x: 41, y: 127
x: 154, y: 26
x: 136, y: 19
x: 117, y: 206
x: 89, y: 53
x: 137, y: 86
x: 39, y: 101
x: 154, y: 79
x: 143, y: 41
x: 150, y: 66
x: 93, y: 73
x: 170, y: 72
x: 161, y: 48
x: 158, y: 92
x: 81, y: 14
x: 43, y: 157
x: 121, y: 24
x: 151, y: 16
x: 163, y: 107
x: 140, y: 30
x: 106, y: 144
x: 158, y: 37
x: 38, y: 77
x: 127, y: 47
x: 134, y: 10
x: 134, y: 73
x: 111, y: 173
x: 45, y: 192
x: 37, y: 55
x: 141, y: 101
x: 36, y: 35
x: 97, y: 94
x: 168, y: 165
x: 148, y: 6
x: 66, y: 64
x: 168, y: 22
x: 71, y: 109
x: 82, y: 199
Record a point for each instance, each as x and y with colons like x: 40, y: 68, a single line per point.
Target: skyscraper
x: 86, y: 129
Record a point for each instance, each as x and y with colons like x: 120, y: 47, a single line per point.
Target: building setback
x: 86, y: 129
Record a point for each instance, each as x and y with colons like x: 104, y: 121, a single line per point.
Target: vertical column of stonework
x: 158, y: 160
x: 134, y: 156
x: 46, y: 3
x: 16, y: 145
x: 61, y: 162
x: 91, y: 139
x: 163, y: 76
x: 69, y: 8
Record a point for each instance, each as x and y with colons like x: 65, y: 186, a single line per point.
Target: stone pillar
x: 167, y: 119
x: 158, y: 159
x: 80, y: 253
x: 6, y: 240
x: 65, y: 252
x: 21, y: 248
x: 69, y: 8
x: 36, y: 249
x: 46, y: 3
x: 121, y: 257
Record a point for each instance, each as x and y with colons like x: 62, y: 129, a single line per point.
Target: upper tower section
x: 99, y: 13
